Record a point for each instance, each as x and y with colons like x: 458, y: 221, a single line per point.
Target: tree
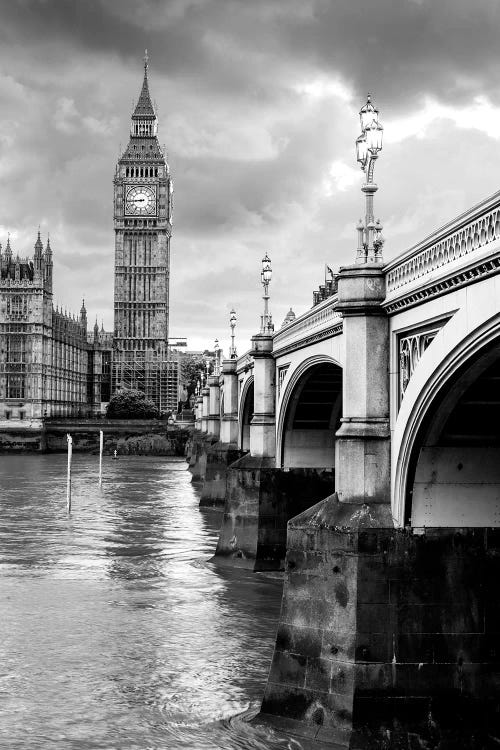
x: 193, y: 368
x: 128, y: 403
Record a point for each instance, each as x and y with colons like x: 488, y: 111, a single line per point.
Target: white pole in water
x: 68, y: 481
x: 101, y: 443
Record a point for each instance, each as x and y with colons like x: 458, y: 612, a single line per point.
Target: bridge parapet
x: 321, y: 321
x: 459, y: 252
x: 244, y: 363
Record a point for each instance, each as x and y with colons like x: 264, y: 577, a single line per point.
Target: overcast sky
x: 258, y: 106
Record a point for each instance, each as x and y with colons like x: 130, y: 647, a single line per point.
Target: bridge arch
x: 245, y: 413
x: 309, y: 415
x: 447, y: 434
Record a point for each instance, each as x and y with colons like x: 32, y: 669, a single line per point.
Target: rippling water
x: 115, y: 631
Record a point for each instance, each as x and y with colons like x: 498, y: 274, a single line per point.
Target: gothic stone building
x: 50, y: 365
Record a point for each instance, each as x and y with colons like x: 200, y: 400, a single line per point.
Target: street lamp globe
x: 361, y: 149
x: 368, y: 113
x: 374, y: 134
x: 266, y: 272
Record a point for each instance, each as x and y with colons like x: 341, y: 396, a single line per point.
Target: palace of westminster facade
x: 51, y: 365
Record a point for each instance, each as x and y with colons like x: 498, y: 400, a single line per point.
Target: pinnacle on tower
x: 83, y: 313
x: 8, y: 249
x: 38, y: 245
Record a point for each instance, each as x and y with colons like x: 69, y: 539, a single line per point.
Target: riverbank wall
x: 127, y: 437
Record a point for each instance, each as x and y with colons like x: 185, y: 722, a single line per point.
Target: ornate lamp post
x: 216, y: 357
x: 265, y: 277
x: 232, y: 323
x: 368, y: 146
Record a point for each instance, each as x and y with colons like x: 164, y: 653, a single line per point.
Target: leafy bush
x: 131, y: 404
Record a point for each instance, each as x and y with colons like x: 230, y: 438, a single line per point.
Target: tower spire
x: 144, y: 120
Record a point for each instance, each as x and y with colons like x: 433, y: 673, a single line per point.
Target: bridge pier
x: 249, y: 494
x: 386, y: 633
x: 362, y: 443
x: 260, y: 499
x: 223, y: 452
x: 198, y: 459
x: 332, y: 579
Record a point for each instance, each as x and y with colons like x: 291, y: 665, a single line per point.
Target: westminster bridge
x: 358, y: 448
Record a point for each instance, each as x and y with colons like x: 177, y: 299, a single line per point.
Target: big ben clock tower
x: 143, y: 193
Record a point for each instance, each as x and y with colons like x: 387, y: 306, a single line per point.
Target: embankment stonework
x: 141, y: 437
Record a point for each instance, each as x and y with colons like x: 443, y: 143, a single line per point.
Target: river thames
x: 116, y: 630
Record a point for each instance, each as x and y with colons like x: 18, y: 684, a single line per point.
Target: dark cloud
x: 400, y: 48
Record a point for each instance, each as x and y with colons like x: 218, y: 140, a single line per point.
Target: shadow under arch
x: 245, y: 414
x: 309, y: 415
x: 448, y: 472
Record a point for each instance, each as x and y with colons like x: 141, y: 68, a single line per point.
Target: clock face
x: 140, y: 200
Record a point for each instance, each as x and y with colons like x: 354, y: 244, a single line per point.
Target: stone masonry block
x: 339, y: 645
x: 300, y: 640
x: 373, y: 647
x: 288, y: 669
x: 318, y: 674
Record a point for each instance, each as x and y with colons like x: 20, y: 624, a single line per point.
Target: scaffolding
x: 156, y: 376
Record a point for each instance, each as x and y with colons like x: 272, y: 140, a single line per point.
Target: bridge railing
x: 467, y: 238
x: 319, y: 319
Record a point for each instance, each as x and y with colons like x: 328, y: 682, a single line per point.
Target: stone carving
x: 460, y: 279
x: 411, y: 349
x: 478, y: 233
x: 282, y: 371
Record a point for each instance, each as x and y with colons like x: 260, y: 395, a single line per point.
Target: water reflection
x: 116, y: 632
